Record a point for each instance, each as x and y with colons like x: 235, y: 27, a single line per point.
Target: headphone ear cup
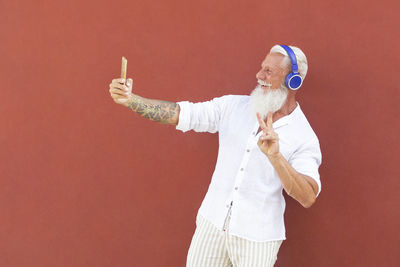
x: 287, y: 81
x: 294, y: 81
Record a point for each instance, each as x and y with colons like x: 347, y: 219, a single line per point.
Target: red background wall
x: 86, y: 182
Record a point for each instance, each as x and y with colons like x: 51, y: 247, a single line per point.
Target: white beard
x: 271, y: 100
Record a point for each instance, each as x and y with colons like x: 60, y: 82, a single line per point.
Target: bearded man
x: 265, y: 145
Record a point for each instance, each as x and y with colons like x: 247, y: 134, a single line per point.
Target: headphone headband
x: 292, y: 57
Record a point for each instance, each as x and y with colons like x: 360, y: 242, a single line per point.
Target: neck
x: 287, y: 108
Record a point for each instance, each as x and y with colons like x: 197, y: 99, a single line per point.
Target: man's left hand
x: 269, y: 140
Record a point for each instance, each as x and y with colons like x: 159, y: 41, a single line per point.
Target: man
x: 265, y: 145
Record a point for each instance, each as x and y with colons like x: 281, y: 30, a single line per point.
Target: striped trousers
x: 211, y: 247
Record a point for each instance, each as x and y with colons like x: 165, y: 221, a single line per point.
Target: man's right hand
x: 156, y: 110
x: 121, y: 93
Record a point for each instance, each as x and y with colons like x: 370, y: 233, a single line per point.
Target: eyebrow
x: 264, y: 67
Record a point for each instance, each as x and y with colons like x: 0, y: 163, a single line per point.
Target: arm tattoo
x: 160, y: 112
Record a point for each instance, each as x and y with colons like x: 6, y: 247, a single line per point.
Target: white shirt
x: 243, y: 174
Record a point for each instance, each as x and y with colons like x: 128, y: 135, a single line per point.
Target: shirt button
x: 236, y: 188
x: 248, y: 150
x: 241, y: 169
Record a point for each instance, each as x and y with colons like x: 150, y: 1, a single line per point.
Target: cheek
x: 269, y: 78
x: 278, y: 81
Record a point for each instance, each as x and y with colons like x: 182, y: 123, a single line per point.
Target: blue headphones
x: 293, y: 80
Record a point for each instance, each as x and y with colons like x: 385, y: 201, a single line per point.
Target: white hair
x: 300, y: 57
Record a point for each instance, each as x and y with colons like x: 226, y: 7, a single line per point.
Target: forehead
x: 273, y: 61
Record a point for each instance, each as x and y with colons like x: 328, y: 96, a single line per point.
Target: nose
x: 260, y: 75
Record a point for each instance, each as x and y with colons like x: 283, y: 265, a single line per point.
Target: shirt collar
x: 285, y: 120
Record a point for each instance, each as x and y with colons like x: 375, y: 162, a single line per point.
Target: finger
x: 119, y: 80
x: 269, y: 137
x: 261, y: 121
x: 118, y: 92
x: 129, y: 83
x: 269, y: 120
x: 266, y: 138
x: 261, y: 142
x: 119, y: 86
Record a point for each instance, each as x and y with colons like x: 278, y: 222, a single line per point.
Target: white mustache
x: 261, y: 82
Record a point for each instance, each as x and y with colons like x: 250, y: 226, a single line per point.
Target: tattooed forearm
x: 156, y: 110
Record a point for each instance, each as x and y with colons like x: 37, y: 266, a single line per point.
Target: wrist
x: 130, y: 101
x: 274, y: 157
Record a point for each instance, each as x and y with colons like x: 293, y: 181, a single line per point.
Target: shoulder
x: 233, y: 100
x: 303, y: 126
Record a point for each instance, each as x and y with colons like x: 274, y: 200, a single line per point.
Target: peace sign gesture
x: 269, y: 140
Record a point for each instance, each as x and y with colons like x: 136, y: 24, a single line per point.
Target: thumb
x: 129, y: 83
x: 260, y: 142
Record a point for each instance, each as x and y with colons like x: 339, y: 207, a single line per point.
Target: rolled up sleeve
x: 307, y: 159
x: 202, y: 116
